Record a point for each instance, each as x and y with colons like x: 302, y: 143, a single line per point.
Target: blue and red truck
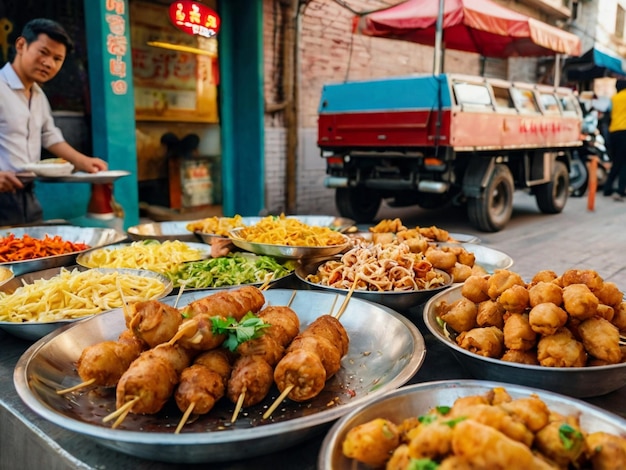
x: 431, y: 140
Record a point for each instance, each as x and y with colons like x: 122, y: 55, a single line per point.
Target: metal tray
x: 286, y: 251
x: 162, y: 231
x: 101, y: 177
x: 372, y: 367
x: 580, y: 382
x: 35, y: 330
x: 486, y: 257
x: 92, y: 236
x: 83, y: 258
x: 397, y: 300
x: 417, y: 400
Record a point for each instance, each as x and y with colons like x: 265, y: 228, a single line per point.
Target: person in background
x: 26, y: 122
x: 617, y: 143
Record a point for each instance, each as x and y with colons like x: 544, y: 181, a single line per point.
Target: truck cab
x: 430, y: 140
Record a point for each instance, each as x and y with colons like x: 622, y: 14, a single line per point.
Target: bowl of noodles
x: 285, y: 237
x: 35, y: 304
x: 390, y: 275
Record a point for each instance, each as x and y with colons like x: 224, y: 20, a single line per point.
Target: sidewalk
x: 576, y: 238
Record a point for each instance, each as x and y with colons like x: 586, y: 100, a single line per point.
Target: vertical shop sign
x: 117, y: 45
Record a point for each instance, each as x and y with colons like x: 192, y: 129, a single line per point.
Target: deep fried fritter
x: 549, y: 441
x: 544, y: 276
x: 488, y: 342
x: 588, y: 277
x: 460, y: 272
x: 440, y: 259
x: 543, y: 291
x: 547, y: 318
x: 460, y: 315
x: 561, y: 350
x: 606, y: 451
x: 521, y: 357
x: 609, y: 294
x: 490, y: 313
x: 601, y: 339
x: 372, y: 442
x: 475, y: 288
x: 605, y: 311
x: 619, y: 317
x: 515, y: 299
x: 518, y: 334
x: 579, y: 301
x: 501, y: 280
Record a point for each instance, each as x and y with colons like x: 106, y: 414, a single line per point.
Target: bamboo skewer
x: 121, y: 410
x: 277, y: 402
x: 344, y: 305
x: 185, y: 417
x: 87, y: 383
x: 238, y: 406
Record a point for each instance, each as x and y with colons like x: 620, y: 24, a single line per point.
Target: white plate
x: 373, y: 366
x: 100, y: 177
x: 50, y: 170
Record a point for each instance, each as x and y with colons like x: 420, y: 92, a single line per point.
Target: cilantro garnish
x: 569, y: 436
x: 249, y: 327
x: 422, y: 464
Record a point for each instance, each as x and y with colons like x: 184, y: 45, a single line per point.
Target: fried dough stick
x: 203, y: 384
x: 311, y: 360
x: 149, y: 381
x: 253, y: 372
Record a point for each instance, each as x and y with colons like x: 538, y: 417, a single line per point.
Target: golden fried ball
x: 501, y: 280
x: 544, y: 291
x: 601, y: 339
x: 579, y: 301
x: 490, y: 313
x: 544, y: 276
x: 609, y: 294
x: 589, y: 277
x: 475, y: 288
x: 619, y: 317
x: 460, y: 315
x: 372, y: 443
x: 561, y: 350
x: 518, y: 333
x: 521, y: 357
x: 515, y: 299
x: 547, y: 318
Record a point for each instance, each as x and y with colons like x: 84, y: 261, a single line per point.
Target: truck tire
x: 551, y: 197
x: 492, y: 211
x: 358, y: 204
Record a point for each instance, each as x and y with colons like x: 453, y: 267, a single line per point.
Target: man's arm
x: 80, y: 161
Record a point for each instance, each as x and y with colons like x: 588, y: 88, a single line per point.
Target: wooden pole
x: 593, y: 182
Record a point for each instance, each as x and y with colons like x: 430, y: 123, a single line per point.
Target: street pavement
x: 576, y: 238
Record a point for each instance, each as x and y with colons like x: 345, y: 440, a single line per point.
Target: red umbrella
x: 480, y: 26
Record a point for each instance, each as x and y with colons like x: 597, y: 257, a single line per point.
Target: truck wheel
x: 358, y: 204
x: 492, y: 211
x: 551, y: 197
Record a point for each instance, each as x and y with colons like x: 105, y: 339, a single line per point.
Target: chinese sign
x: 194, y: 18
x: 117, y: 45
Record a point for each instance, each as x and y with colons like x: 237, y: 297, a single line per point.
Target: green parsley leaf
x: 422, y: 464
x: 249, y: 327
x: 569, y: 436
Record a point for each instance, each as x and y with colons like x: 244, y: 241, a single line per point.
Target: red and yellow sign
x: 194, y: 18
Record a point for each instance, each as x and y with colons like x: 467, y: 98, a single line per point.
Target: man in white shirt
x: 26, y: 122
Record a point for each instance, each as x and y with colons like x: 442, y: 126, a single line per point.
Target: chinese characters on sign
x: 117, y: 45
x: 194, y: 18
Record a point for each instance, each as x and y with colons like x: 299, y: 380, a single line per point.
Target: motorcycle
x: 593, y: 145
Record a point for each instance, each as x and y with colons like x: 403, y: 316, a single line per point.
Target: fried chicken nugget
x: 609, y: 294
x: 549, y: 442
x: 475, y: 288
x: 460, y: 272
x: 501, y: 280
x: 605, y: 311
x: 547, y: 318
x: 460, y: 315
x: 515, y: 299
x: 545, y: 275
x: 606, y: 451
x: 561, y: 350
x: 487, y: 342
x: 601, y: 339
x: 521, y: 357
x: 490, y: 313
x: 579, y: 301
x: 619, y: 317
x: 518, y: 334
x: 440, y: 259
x: 544, y: 291
x: 372, y: 442
x: 589, y: 277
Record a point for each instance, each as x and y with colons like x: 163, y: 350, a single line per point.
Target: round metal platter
x: 286, y: 251
x: 373, y: 366
x: 340, y: 224
x: 454, y: 237
x: 101, y: 177
x: 162, y: 231
x: 486, y: 257
x: 397, y: 300
x: 84, y: 258
x: 92, y: 236
x: 580, y: 382
x: 418, y: 400
x: 34, y: 330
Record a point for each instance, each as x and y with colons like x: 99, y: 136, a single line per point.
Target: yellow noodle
x: 154, y: 256
x: 216, y: 225
x: 75, y: 294
x: 290, y: 232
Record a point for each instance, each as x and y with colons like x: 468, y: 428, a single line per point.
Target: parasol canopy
x: 480, y: 26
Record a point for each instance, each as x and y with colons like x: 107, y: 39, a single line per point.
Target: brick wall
x: 329, y: 52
